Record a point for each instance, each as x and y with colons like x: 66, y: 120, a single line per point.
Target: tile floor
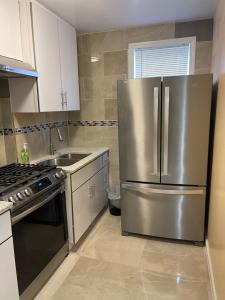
x: 109, y: 266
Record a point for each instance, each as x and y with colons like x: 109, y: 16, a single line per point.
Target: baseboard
x: 211, y: 274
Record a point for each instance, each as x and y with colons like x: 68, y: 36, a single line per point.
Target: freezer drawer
x: 163, y: 211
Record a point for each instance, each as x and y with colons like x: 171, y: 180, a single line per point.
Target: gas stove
x: 20, y: 184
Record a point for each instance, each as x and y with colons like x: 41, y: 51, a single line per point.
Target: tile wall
x: 33, y: 128
x: 103, y: 61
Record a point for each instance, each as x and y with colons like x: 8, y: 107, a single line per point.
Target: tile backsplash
x: 33, y: 128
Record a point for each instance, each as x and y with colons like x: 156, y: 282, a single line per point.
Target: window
x: 162, y: 58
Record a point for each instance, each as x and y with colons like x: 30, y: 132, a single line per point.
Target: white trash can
x: 114, y: 196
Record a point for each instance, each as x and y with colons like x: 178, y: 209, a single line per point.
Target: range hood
x: 21, y: 71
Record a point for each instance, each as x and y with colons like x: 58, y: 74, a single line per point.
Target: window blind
x: 162, y: 61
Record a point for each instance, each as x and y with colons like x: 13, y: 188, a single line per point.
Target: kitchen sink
x: 75, y: 156
x: 61, y: 162
x: 64, y: 160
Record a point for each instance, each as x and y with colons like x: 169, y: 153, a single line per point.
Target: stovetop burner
x: 24, y: 184
x: 14, y: 175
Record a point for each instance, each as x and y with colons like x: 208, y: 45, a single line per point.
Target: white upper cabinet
x: 47, y: 55
x: 69, y: 65
x: 52, y: 43
x: 10, y: 32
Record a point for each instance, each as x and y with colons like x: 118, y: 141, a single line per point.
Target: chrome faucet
x: 51, y: 146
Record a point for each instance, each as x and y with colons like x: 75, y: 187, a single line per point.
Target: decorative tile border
x: 40, y: 127
x: 46, y: 126
x: 109, y: 123
x: 6, y: 131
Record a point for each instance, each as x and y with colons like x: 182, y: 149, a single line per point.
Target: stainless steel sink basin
x: 64, y: 160
x: 61, y: 162
x: 75, y: 156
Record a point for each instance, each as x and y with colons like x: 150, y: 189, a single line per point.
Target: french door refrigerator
x: 164, y: 126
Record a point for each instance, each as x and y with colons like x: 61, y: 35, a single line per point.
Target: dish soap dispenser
x: 24, y: 154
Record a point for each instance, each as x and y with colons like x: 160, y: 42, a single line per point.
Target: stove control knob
x: 12, y: 199
x: 20, y: 196
x: 62, y: 173
x: 27, y: 192
x: 57, y: 175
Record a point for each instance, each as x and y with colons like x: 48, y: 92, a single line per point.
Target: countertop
x: 4, y: 206
x: 95, y: 153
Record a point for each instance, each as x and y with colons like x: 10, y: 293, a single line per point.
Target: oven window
x: 37, y: 239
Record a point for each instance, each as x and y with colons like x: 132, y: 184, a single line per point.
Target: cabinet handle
x: 166, y: 131
x: 91, y: 191
x: 62, y: 102
x: 66, y: 98
x: 94, y: 189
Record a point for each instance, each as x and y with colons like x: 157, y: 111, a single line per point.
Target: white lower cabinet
x: 8, y: 278
x: 99, y: 192
x: 82, y: 210
x: 90, y: 197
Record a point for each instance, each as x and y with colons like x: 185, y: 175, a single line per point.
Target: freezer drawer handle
x: 166, y: 131
x: 155, y: 135
x: 138, y: 188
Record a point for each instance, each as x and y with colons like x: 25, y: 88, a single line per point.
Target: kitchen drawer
x: 5, y: 226
x: 85, y: 173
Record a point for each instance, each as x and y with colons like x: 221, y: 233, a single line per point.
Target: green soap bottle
x: 24, y: 154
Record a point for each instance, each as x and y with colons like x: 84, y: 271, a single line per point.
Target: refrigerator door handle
x: 150, y: 190
x: 166, y: 131
x: 155, y: 133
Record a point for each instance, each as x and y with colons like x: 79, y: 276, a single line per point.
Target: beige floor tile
x: 113, y: 267
x: 93, y: 279
x: 100, y: 280
x: 159, y: 287
x: 191, y: 267
x: 173, y: 248
x: 108, y: 245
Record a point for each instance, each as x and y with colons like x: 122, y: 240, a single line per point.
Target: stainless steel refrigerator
x: 164, y: 126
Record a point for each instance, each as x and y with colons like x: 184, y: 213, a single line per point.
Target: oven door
x: 39, y: 233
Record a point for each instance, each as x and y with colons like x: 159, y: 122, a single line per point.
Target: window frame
x: 160, y: 43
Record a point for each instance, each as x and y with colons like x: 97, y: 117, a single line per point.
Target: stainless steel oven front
x: 40, y: 237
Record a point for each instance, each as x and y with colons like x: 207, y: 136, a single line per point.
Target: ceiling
x: 103, y: 15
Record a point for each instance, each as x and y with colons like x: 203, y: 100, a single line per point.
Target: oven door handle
x: 25, y: 213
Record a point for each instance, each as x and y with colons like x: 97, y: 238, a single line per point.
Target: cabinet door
x: 82, y: 211
x: 10, y: 31
x: 99, y: 185
x: 69, y: 65
x: 8, y: 278
x: 46, y: 45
